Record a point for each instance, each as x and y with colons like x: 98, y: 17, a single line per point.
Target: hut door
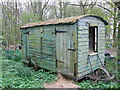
x: 65, y: 51
x: 63, y: 54
x: 61, y: 49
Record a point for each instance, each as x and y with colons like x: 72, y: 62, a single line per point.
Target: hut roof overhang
x: 60, y: 21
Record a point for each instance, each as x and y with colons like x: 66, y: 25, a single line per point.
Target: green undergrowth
x: 16, y: 75
x: 98, y: 85
x: 12, y: 54
x: 112, y: 67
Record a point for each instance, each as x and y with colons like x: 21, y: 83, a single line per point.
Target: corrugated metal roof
x: 60, y: 21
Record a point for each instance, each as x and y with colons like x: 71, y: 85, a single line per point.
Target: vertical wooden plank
x: 65, y: 50
x: 68, y: 47
x: 23, y: 38
x: 59, y: 49
x: 27, y: 44
x: 76, y: 47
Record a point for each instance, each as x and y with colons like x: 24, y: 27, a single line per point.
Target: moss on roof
x: 60, y: 21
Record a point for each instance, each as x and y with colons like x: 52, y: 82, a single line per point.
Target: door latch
x: 72, y: 49
x: 60, y: 31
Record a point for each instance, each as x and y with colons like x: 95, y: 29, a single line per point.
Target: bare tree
x: 107, y: 7
x: 10, y: 21
x: 117, y: 3
x: 59, y: 9
x: 62, y: 8
x: 112, y: 12
x: 39, y: 8
x: 85, y: 6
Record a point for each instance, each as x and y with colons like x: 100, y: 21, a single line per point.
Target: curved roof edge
x: 61, y: 21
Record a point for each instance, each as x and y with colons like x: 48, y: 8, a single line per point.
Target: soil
x: 61, y: 82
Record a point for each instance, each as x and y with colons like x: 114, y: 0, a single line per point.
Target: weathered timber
x: 64, y: 45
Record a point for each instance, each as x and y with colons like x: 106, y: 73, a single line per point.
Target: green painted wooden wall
x: 84, y: 67
x: 64, y: 47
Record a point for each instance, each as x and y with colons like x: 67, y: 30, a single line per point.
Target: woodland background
x: 14, y: 13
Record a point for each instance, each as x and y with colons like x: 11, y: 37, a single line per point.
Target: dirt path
x: 61, y: 83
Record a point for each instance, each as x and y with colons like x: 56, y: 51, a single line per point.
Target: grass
x: 112, y: 67
x: 12, y: 55
x: 99, y: 84
x: 0, y: 71
x: 16, y: 75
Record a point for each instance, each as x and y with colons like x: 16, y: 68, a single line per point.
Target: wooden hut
x: 73, y: 46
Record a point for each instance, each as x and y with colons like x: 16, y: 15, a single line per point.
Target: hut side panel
x: 34, y: 44
x: 41, y: 46
x: 83, y: 45
x: 48, y: 48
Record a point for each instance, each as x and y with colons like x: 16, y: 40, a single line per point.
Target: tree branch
x: 105, y: 8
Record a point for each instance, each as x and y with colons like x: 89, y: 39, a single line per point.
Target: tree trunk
x: 114, y: 27
x: 61, y: 10
x: 119, y: 41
